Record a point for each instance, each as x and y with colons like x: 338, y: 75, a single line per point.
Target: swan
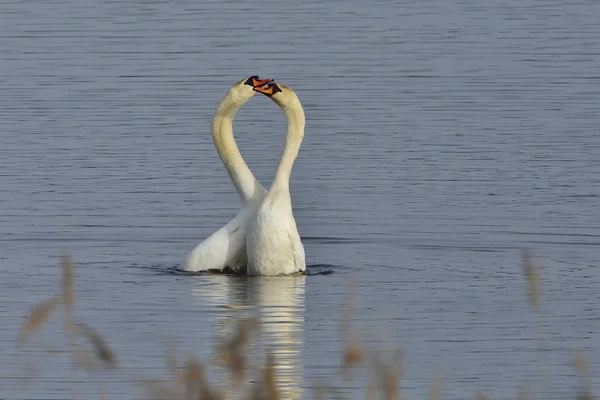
x: 226, y: 248
x: 273, y: 245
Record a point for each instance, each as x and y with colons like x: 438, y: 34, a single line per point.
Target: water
x: 442, y: 137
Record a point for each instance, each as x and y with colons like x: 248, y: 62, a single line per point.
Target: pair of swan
x: 262, y: 239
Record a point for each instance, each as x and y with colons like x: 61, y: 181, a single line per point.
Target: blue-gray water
x: 442, y: 137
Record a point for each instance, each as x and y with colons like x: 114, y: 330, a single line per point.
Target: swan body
x: 226, y: 248
x: 273, y: 245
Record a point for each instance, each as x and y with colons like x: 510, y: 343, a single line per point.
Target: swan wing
x: 223, y: 249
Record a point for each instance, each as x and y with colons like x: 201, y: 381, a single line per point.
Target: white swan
x: 226, y: 248
x: 273, y: 245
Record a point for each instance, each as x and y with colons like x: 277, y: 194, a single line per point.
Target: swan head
x: 243, y: 91
x: 280, y: 94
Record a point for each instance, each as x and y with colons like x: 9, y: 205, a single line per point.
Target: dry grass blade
x: 353, y: 355
x: 236, y: 361
x: 83, y: 358
x: 523, y: 392
x: 348, y: 311
x: 37, y: 316
x: 532, y: 275
x: 66, y: 281
x: 243, y: 333
x: 172, y: 363
x: 269, y: 378
x: 580, y: 362
x: 587, y: 395
x: 435, y: 390
x: 390, y: 384
x: 266, y: 388
x: 581, y: 365
x: 389, y: 376
x: 195, y: 383
x: 318, y: 391
x: 232, y: 351
x: 193, y: 377
x: 102, y: 351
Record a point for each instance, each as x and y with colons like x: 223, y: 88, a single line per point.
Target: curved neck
x: 295, y: 134
x: 244, y: 181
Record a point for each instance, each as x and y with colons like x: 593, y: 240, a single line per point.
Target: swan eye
x: 250, y: 81
x: 275, y: 88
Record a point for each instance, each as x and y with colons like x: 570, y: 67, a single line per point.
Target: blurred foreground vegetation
x: 188, y: 381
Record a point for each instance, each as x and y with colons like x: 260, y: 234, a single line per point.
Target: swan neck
x: 244, y: 181
x: 293, y: 140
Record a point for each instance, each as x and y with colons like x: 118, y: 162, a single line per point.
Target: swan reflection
x: 278, y: 303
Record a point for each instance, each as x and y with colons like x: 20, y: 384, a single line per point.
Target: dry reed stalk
x: 580, y: 362
x: 391, y: 378
x: 523, y: 392
x: 195, y: 384
x: 265, y: 388
x: 435, y: 390
x: 270, y: 380
x: 352, y: 354
x: 532, y: 275
x: 36, y: 318
x: 232, y: 350
x: 68, y: 299
x: 319, y: 394
x: 318, y: 391
x: 66, y: 281
x: 193, y: 380
x: 103, y: 353
x: 193, y: 377
x: 348, y: 313
x: 172, y: 364
x: 531, y: 271
x: 581, y: 366
x: 388, y: 376
x: 103, y: 395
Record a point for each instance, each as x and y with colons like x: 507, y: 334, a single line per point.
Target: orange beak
x: 256, y: 83
x: 264, y: 90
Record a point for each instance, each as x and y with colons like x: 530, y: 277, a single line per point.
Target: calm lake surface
x: 442, y: 137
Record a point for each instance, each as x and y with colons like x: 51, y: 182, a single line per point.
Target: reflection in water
x: 279, y: 303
